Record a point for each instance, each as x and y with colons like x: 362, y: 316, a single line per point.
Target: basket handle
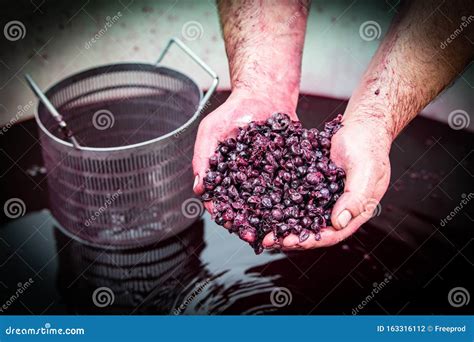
x: 200, y: 62
x: 52, y: 110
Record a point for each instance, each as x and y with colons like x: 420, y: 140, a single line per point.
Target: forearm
x: 411, y: 68
x: 264, y: 43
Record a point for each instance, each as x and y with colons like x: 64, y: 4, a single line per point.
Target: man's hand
x: 361, y: 148
x: 407, y: 72
x: 240, y: 108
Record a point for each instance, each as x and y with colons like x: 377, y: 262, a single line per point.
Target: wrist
x: 373, y: 122
x: 268, y: 74
x: 282, y: 97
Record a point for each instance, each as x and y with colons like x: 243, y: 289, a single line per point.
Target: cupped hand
x: 240, y: 108
x: 361, y: 147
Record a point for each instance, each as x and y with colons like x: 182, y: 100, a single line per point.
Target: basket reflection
x: 140, y: 281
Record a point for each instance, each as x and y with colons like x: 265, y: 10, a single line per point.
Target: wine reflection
x: 142, y: 280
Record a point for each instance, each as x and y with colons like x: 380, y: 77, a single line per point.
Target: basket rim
x: 121, y: 66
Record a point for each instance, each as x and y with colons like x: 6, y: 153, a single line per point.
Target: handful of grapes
x: 275, y: 176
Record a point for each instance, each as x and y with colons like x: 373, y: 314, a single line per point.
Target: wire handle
x: 199, y: 61
x: 52, y: 110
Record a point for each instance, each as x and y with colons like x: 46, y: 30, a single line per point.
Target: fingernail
x: 196, y: 182
x: 344, y: 218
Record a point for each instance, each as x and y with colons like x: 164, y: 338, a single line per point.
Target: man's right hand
x: 241, y: 108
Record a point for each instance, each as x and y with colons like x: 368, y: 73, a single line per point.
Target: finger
x: 322, y: 239
x: 327, y: 237
x: 338, y: 235
x: 204, y: 148
x: 358, y: 193
x: 270, y: 241
x: 209, y: 207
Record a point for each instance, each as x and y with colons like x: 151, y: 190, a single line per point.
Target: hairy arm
x: 264, y: 43
x: 415, y: 62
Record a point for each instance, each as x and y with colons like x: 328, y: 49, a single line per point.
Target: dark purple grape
x: 267, y: 202
x: 277, y: 214
x: 231, y: 143
x: 282, y: 229
x: 228, y: 215
x: 275, y: 197
x: 295, y: 196
x: 221, y: 167
x: 304, y: 235
x: 314, y: 178
x: 248, y: 234
x: 333, y: 187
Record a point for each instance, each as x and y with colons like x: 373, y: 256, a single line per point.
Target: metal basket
x: 124, y: 182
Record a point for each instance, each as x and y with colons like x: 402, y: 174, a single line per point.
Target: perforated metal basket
x: 126, y: 180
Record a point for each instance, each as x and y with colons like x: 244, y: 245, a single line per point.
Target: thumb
x: 203, y: 150
x: 357, y: 199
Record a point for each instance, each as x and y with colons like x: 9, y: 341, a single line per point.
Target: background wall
x: 54, y: 39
